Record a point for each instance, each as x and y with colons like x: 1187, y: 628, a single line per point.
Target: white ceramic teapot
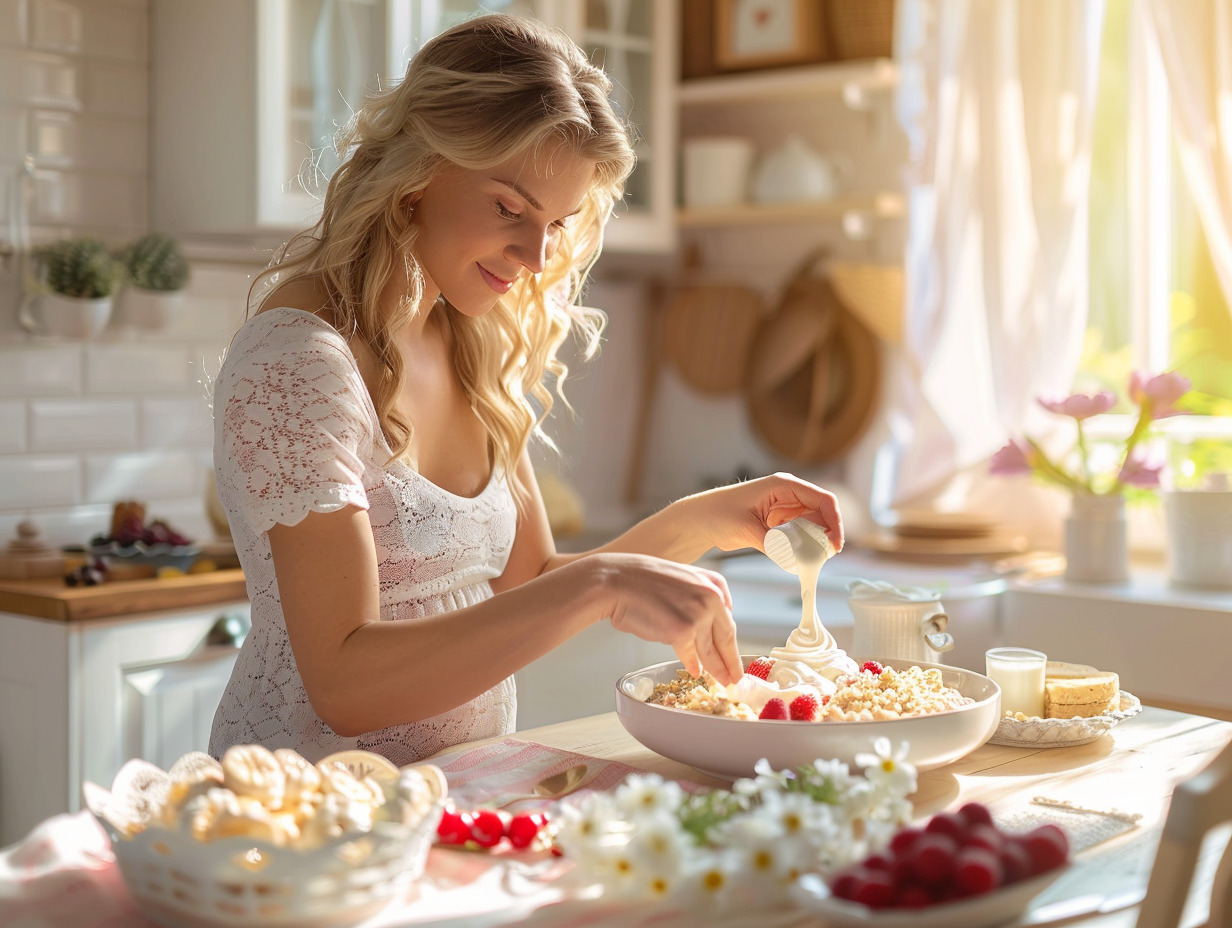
x: 795, y: 171
x: 903, y: 623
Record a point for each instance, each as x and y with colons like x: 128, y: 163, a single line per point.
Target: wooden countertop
x: 51, y: 598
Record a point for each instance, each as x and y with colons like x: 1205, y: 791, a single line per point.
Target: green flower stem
x: 1047, y: 469
x: 1141, y: 427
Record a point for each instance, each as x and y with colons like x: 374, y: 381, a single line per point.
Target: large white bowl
x: 728, y: 748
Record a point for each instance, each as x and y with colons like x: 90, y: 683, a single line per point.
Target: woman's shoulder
x: 282, y: 331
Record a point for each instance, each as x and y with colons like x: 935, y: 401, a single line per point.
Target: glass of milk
x: 1020, y: 674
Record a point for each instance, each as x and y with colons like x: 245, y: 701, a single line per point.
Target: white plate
x: 1062, y: 733
x: 995, y: 908
x: 728, y: 748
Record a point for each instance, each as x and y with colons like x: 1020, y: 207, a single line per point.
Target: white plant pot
x: 66, y: 316
x: 147, y: 309
x: 1096, y: 539
x: 1199, y: 531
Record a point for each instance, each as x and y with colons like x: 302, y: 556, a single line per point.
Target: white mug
x: 716, y: 170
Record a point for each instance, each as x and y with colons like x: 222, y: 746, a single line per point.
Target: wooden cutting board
x: 51, y: 598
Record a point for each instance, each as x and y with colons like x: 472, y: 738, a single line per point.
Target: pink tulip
x: 1013, y: 458
x: 1139, y: 472
x: 1080, y: 405
x: 1157, y: 394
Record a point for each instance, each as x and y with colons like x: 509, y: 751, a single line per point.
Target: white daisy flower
x: 889, y: 769
x: 644, y: 794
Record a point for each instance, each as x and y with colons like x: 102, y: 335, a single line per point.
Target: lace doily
x: 1059, y: 733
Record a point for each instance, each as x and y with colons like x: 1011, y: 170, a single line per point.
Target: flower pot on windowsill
x: 1198, y: 524
x: 66, y: 316
x: 1097, y: 539
x: 140, y: 308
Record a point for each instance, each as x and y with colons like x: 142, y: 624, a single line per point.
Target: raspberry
x: 1047, y: 846
x: 773, y: 709
x: 874, y: 888
x: 804, y: 708
x: 872, y: 667
x: 846, y: 882
x: 914, y: 896
x: 977, y: 871
x: 760, y: 667
x: 985, y: 836
x: 904, y: 839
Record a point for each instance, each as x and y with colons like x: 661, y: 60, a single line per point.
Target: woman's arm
x: 362, y: 674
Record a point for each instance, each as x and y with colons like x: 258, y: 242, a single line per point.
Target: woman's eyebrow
x: 525, y: 195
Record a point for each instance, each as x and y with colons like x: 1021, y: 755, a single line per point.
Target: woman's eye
x: 505, y: 212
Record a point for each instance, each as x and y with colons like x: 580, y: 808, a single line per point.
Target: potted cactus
x: 157, y: 272
x: 77, y: 280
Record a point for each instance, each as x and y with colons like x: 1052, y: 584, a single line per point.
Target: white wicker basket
x: 179, y: 881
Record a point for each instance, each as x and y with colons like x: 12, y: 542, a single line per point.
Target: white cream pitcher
x: 902, y: 623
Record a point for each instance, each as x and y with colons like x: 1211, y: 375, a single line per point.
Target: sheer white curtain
x: 996, y: 97
x: 1195, y: 43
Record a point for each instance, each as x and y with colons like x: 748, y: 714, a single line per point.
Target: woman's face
x: 480, y: 231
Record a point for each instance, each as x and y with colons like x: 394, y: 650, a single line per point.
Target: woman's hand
x: 686, y: 607
x: 739, y: 515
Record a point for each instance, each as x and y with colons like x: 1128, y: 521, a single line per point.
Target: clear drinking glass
x: 1020, y: 674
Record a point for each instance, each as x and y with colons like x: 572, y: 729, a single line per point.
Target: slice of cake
x: 1073, y: 691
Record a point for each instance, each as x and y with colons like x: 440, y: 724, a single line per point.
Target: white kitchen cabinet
x: 246, y: 95
x: 78, y: 699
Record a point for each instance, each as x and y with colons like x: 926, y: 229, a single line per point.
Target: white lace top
x: 295, y: 432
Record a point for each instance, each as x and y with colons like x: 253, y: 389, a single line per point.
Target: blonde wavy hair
x: 473, y: 96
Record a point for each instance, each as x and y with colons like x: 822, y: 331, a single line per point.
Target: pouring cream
x: 802, y: 547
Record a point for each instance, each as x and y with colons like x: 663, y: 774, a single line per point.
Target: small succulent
x: 155, y: 262
x: 80, y: 268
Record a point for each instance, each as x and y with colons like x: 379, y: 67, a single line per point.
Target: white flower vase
x: 139, y: 308
x: 1097, y: 539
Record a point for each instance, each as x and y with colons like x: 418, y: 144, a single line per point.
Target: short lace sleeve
x: 293, y: 424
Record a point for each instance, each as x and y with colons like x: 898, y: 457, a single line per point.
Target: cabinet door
x: 635, y: 42
x: 146, y: 688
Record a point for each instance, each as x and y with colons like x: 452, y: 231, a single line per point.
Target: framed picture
x: 767, y: 33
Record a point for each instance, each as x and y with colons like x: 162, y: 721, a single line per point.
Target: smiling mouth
x: 499, y: 284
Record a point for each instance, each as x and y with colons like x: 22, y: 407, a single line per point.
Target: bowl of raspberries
x: 957, y: 870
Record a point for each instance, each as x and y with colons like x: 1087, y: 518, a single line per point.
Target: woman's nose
x: 533, y: 248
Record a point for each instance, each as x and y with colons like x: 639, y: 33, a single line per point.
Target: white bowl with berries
x: 957, y: 870
x: 963, y: 709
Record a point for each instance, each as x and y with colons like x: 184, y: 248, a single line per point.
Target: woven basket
x: 874, y: 292
x: 860, y: 28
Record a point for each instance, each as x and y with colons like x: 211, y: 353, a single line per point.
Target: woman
x: 372, y: 420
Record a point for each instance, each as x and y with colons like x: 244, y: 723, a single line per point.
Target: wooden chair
x: 1198, y: 805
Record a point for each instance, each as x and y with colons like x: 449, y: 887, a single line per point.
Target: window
x: 1155, y: 300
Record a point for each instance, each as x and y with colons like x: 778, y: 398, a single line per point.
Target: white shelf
x: 877, y: 206
x: 854, y: 81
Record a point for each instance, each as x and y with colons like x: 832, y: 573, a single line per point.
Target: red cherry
x: 914, y: 896
x: 947, y: 823
x: 875, y: 889
x: 985, y: 836
x: 454, y: 827
x: 487, y: 828
x: 904, y: 839
x: 1047, y: 846
x: 976, y: 813
x: 1015, y: 861
x: 977, y: 871
x: 932, y: 858
x: 525, y: 827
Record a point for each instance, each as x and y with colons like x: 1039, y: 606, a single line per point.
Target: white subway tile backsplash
x: 175, y: 423
x: 54, y: 137
x: 13, y: 427
x: 13, y: 28
x: 38, y: 79
x: 145, y: 475
x: 55, y: 25
x: 116, y: 88
x: 144, y: 370
x: 37, y: 371
x: 74, y: 525
x: 83, y: 425
x: 12, y: 142
x: 40, y: 480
